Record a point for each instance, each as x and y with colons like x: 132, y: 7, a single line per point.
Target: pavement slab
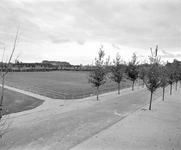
x: 64, y: 125
x: 144, y: 129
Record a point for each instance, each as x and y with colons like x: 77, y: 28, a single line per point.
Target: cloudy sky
x: 73, y: 30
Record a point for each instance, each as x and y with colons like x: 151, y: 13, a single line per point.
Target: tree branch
x: 14, y: 46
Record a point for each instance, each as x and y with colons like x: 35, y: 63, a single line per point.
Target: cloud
x: 169, y: 55
x: 141, y: 56
x: 57, y: 39
x: 131, y: 23
x: 120, y: 21
x: 116, y: 46
x: 80, y: 42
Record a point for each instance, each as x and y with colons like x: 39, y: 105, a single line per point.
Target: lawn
x: 57, y: 84
x: 15, y: 102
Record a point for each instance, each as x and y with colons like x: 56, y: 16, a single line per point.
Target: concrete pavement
x: 144, y: 129
x: 52, y: 107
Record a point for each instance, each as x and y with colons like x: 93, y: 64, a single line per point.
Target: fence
x: 59, y: 95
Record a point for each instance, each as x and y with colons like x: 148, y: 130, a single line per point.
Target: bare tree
x: 97, y: 76
x: 5, y: 68
x: 117, y: 71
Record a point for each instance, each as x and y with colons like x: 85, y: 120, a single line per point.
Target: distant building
x: 60, y: 65
x: 32, y: 67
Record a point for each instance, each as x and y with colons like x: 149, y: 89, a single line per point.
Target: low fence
x: 59, y: 95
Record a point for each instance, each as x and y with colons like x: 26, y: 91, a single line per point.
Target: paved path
x: 59, y: 124
x: 157, y: 129
x: 57, y: 106
x: 65, y: 126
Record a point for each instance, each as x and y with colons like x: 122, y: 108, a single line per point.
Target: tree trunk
x: 133, y: 86
x: 151, y: 100
x: 97, y: 93
x: 2, y: 97
x: 138, y: 83
x: 163, y: 96
x: 118, y: 88
x: 171, y: 89
x: 143, y: 85
x: 176, y: 86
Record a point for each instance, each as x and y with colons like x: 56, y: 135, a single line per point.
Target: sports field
x: 58, y: 84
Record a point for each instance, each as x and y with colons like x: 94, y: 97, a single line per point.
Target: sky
x: 74, y: 30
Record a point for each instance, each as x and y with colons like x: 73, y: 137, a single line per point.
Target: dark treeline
x: 44, y: 66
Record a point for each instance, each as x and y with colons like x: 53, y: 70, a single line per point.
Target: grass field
x: 16, y: 102
x: 57, y: 84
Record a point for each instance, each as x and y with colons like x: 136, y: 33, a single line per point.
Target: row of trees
x: 154, y: 74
